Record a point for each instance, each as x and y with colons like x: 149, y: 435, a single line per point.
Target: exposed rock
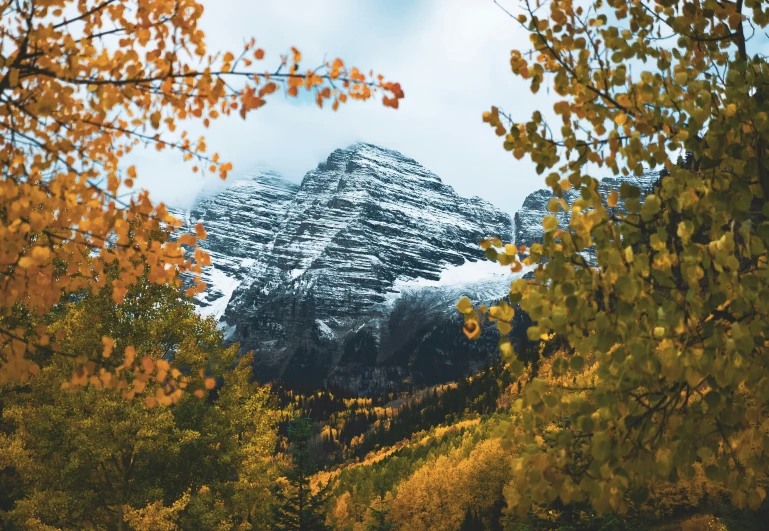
x: 528, y: 220
x: 362, y: 222
x: 241, y: 221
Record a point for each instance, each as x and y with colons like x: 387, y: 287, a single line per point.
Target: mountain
x: 362, y: 230
x: 528, y: 220
x: 241, y: 221
x: 350, y: 278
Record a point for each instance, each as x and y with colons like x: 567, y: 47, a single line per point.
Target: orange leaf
x: 108, y: 343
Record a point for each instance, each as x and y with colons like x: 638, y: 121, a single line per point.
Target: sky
x: 450, y: 56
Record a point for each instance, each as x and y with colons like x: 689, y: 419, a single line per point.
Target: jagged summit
x: 361, y: 221
x: 361, y: 155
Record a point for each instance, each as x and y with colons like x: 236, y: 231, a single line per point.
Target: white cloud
x: 450, y: 56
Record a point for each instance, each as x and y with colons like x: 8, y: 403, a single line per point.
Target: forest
x: 634, y: 396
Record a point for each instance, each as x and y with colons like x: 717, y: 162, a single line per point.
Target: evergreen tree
x: 472, y: 521
x: 296, y: 507
x: 378, y: 516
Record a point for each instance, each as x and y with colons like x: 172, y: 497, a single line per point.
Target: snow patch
x: 467, y: 273
x: 325, y: 330
x: 482, y: 281
x: 224, y: 283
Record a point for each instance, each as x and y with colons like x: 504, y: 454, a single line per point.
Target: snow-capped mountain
x: 351, y: 277
x: 528, y: 220
x: 364, y: 223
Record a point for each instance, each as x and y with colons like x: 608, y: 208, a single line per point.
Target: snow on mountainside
x: 528, y: 220
x: 241, y: 221
x: 483, y: 281
x: 362, y: 222
x: 363, y: 218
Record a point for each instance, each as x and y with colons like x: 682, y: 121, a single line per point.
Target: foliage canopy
x: 664, y: 304
x: 90, y: 459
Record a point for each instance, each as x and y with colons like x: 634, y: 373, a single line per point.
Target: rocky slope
x: 241, y: 221
x: 363, y: 222
x: 528, y: 220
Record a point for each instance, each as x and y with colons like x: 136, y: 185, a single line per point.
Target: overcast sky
x: 450, y: 56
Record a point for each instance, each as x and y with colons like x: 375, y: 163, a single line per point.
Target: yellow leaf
x: 464, y: 305
x: 550, y: 223
x: 620, y: 119
x: 613, y: 199
x: 40, y: 253
x: 472, y: 329
x: 553, y: 205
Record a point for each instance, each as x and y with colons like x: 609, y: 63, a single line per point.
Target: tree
x: 667, y: 325
x: 297, y: 506
x: 440, y: 494
x: 95, y: 460
x: 83, y: 83
x: 377, y: 514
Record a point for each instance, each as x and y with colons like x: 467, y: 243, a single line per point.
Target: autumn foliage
x: 663, y: 303
x: 83, y: 83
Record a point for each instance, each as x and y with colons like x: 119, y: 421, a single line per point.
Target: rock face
x: 241, y: 221
x: 362, y: 222
x: 528, y: 220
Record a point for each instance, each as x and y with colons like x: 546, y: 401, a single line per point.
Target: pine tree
x: 296, y: 506
x: 378, y: 512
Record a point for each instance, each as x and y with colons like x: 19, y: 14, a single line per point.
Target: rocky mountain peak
x: 528, y: 219
x: 362, y: 220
